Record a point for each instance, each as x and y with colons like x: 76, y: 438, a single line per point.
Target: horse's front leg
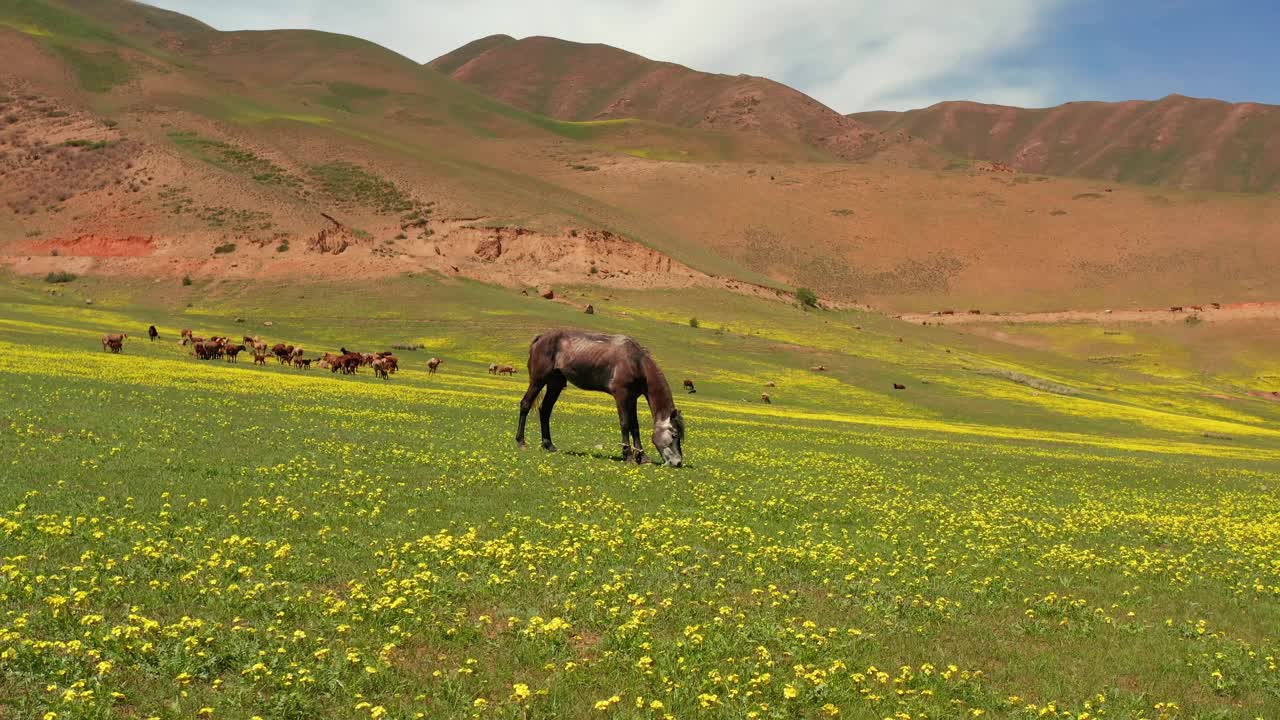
x: 634, y: 421
x: 624, y: 421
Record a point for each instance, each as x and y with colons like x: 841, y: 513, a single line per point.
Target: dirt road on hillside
x: 1227, y: 312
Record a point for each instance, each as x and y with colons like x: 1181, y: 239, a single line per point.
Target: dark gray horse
x: 613, y: 364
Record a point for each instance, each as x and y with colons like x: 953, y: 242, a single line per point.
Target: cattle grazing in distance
x: 432, y: 365
x: 113, y: 342
x: 152, y: 333
x: 688, y: 386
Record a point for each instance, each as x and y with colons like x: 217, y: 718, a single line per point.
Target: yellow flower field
x: 186, y: 539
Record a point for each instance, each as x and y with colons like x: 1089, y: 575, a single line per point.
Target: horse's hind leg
x: 526, y: 404
x: 555, y: 385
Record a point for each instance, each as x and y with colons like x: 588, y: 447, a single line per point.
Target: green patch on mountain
x: 235, y: 159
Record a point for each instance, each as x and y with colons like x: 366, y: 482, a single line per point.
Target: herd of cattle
x: 384, y: 364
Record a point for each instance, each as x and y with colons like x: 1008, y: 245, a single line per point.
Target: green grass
x: 291, y: 544
x: 343, y: 94
x: 348, y: 182
x: 97, y: 72
x: 43, y: 19
x: 235, y: 159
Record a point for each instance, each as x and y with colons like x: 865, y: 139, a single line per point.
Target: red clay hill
x: 1180, y: 141
x: 585, y: 82
x: 142, y: 143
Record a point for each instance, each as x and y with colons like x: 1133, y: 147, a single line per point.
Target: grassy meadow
x: 186, y: 539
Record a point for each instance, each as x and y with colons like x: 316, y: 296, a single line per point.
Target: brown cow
x: 506, y: 370
x: 347, y: 363
x: 282, y: 352
x: 113, y: 342
x: 432, y: 365
x: 688, y: 386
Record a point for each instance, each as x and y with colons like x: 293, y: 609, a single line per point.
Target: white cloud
x: 850, y: 54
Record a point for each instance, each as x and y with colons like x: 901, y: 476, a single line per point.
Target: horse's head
x: 668, y: 437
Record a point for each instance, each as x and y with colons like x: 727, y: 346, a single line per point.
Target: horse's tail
x: 537, y: 399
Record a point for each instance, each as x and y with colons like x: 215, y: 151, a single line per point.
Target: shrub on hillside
x: 224, y: 249
x: 807, y: 297
x: 61, y: 276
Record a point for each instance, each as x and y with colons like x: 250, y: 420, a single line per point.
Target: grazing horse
x: 899, y: 386
x: 764, y: 398
x: 432, y: 364
x: 380, y: 367
x: 506, y: 370
x: 153, y: 333
x: 187, y: 336
x: 614, y: 364
x: 688, y: 386
x: 113, y: 342
x: 259, y: 358
x: 493, y: 368
x: 231, y: 351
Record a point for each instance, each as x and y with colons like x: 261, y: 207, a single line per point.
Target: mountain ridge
x: 1187, y: 142
x: 593, y: 81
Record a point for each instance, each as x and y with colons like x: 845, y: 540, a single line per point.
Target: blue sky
x: 855, y: 54
x: 1150, y: 48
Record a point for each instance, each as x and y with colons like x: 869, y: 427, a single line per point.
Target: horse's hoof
x: 522, y: 445
x: 641, y: 459
x: 550, y: 447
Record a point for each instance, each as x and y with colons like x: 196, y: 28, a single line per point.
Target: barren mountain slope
x: 154, y: 146
x: 576, y: 81
x: 1179, y: 141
